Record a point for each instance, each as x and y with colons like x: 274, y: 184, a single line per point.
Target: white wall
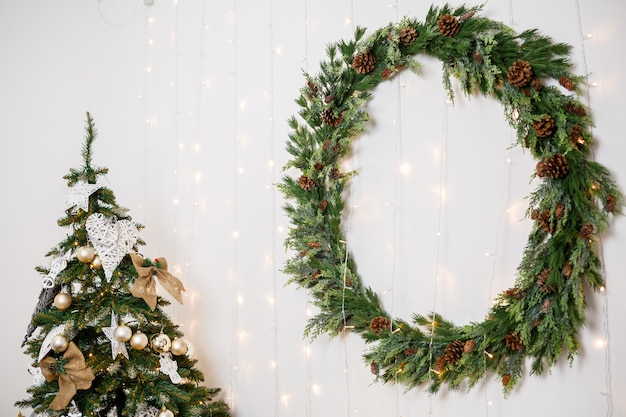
x: 191, y: 98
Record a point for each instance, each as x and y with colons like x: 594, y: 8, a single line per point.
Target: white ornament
x: 146, y: 410
x: 38, y: 378
x: 73, y: 411
x: 56, y: 266
x: 78, y: 195
x: 112, y: 239
x: 46, y: 345
x: 117, y: 347
x: 170, y: 368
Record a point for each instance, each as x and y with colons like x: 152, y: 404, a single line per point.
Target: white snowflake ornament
x: 78, y: 194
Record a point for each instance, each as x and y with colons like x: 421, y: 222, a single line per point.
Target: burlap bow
x: 145, y: 286
x: 72, y: 373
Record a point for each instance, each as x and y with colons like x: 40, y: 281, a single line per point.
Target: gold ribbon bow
x: 145, y: 286
x: 74, y: 375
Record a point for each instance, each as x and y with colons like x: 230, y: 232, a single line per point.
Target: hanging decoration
x: 537, y: 319
x: 78, y: 195
x: 145, y: 286
x: 169, y: 367
x: 117, y: 346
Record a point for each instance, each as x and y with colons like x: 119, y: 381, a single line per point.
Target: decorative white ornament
x: 78, y: 195
x: 170, y: 368
x: 38, y: 378
x: 73, y: 411
x: 116, y: 346
x: 112, y: 239
x: 146, y: 410
x: 46, y: 345
x: 56, y: 266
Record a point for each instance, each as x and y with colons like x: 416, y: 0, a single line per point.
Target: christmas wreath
x: 539, y: 317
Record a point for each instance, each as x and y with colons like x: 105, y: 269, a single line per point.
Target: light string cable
x: 442, y: 179
x: 117, y: 25
x: 307, y: 303
x: 235, y: 220
x: 605, y: 307
x: 273, y: 191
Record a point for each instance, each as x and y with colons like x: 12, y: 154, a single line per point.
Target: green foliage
x: 538, y: 319
x: 121, y: 385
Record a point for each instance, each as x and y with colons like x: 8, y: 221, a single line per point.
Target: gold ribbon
x: 74, y: 376
x: 145, y: 286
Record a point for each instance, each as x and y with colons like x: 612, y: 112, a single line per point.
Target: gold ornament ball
x: 123, y: 333
x: 139, y: 341
x: 62, y: 301
x: 190, y: 348
x: 161, y: 343
x: 96, y: 262
x: 179, y: 346
x: 165, y: 413
x: 59, y: 343
x: 85, y: 254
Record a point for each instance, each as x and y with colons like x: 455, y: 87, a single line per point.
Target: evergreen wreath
x: 539, y: 317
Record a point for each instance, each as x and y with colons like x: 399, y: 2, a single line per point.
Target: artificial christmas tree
x: 100, y: 342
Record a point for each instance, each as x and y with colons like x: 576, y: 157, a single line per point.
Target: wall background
x: 190, y: 98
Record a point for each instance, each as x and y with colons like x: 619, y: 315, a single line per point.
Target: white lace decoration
x: 78, y: 195
x: 46, y: 345
x: 112, y: 239
x: 170, y: 368
x: 57, y: 265
x: 38, y: 378
x: 117, y: 347
x: 146, y: 410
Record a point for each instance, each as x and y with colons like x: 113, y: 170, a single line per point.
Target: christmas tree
x: 100, y: 342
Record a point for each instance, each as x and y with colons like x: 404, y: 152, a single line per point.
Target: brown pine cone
x: 542, y: 281
x: 329, y: 98
x: 318, y: 166
x: 477, y: 57
x: 567, y: 269
x: 467, y: 15
x: 364, y: 63
x: 520, y: 73
x: 408, y: 35
x: 543, y: 219
x: 374, y: 369
x: 441, y: 363
x: 567, y: 83
x: 410, y: 351
x: 316, y: 275
x: 576, y: 136
x: 610, y: 203
x: 513, y: 341
x: 576, y: 109
x: 544, y: 127
x: 313, y: 245
x: 335, y: 173
x: 448, y: 25
x: 586, y: 231
x: 328, y: 116
x: 469, y: 346
x: 306, y: 183
x: 554, y: 167
x: 323, y: 204
x: 536, y: 84
x: 506, y: 379
x: 454, y: 351
x: 387, y: 72
x: 513, y: 292
x: 379, y: 324
x: 312, y: 86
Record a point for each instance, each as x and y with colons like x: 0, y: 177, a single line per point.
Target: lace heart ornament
x: 112, y: 239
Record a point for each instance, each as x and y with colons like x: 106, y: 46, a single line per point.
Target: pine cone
x: 576, y: 109
x: 328, y: 116
x: 543, y: 219
x: 306, y: 183
x: 559, y: 211
x: 477, y: 57
x: 335, y: 173
x: 513, y: 293
x: 554, y: 167
x: 546, y: 305
x: 323, y: 204
x: 312, y: 86
x: 542, y: 281
x: 469, y: 346
x: 567, y: 269
x: 506, y: 379
x: 410, y: 351
x: 586, y: 231
x: 441, y: 363
x: 364, y: 63
x: 454, y: 351
x: 374, y: 369
x: 408, y: 35
x: 536, y: 84
x: 513, y: 341
x: 610, y: 203
x: 520, y: 73
x: 313, y: 245
x: 318, y: 166
x: 316, y: 275
x: 387, y: 72
x: 567, y: 83
x: 576, y: 136
x: 467, y: 15
x: 448, y: 25
x: 379, y: 324
x: 544, y: 127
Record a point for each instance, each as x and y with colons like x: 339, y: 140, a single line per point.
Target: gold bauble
x: 179, y: 346
x: 123, y: 333
x: 96, y: 262
x: 165, y: 413
x: 59, y: 343
x: 139, y: 341
x: 62, y: 301
x: 85, y: 254
x: 190, y: 348
x: 161, y: 343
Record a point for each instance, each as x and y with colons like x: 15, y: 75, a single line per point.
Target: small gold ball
x: 179, y: 346
x: 123, y: 333
x: 62, y: 301
x: 59, y: 343
x: 161, y: 343
x: 85, y: 254
x: 165, y: 413
x: 138, y: 341
x: 96, y: 262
